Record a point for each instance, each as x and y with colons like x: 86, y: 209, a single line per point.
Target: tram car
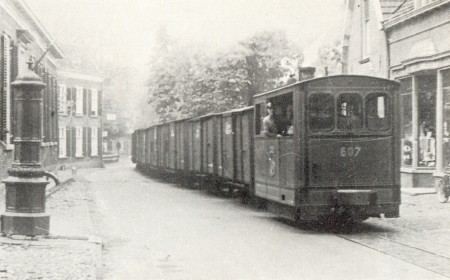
x: 336, y: 151
x: 343, y: 154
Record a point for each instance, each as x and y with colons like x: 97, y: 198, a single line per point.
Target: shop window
x: 406, y: 120
x: 446, y: 124
x: 350, y: 111
x: 378, y: 113
x: 321, y: 112
x: 426, y: 91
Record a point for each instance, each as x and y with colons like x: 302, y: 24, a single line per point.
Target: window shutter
x: 46, y: 103
x: 89, y: 141
x: 89, y: 102
x: 68, y: 94
x: 99, y: 141
x: 74, y: 141
x: 14, y: 72
x: 55, y: 108
x: 68, y: 147
x: 85, y: 105
x: 99, y: 103
x: 69, y: 100
x: 5, y: 96
x: 85, y: 134
x: 74, y: 100
x: 4, y: 83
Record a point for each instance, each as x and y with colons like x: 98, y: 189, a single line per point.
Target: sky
x: 125, y: 29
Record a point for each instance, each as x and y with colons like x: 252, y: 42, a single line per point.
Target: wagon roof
x: 174, y: 121
x: 323, y: 78
x: 204, y: 116
x: 237, y: 110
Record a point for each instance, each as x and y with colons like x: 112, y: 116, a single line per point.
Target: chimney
x: 305, y: 73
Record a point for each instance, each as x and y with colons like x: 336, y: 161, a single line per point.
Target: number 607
x: 350, y: 151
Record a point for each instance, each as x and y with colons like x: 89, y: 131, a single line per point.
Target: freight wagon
x: 336, y: 151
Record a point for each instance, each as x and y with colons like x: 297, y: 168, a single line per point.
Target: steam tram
x: 337, y: 153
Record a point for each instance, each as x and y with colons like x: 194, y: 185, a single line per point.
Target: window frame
x: 78, y: 141
x: 79, y: 102
x: 62, y: 100
x: 337, y: 108
x: 333, y: 98
x: 388, y: 110
x: 93, y: 110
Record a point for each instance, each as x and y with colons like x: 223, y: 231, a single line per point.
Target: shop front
x: 419, y: 57
x: 425, y: 128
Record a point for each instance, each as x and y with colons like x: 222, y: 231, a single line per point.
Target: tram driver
x: 269, y: 123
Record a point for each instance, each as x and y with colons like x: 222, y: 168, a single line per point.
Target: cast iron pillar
x: 25, y: 185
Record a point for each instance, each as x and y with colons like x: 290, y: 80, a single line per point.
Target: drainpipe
x: 388, y: 54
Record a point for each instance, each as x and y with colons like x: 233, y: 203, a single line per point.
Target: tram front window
x: 321, y: 112
x: 378, y: 115
x: 350, y: 111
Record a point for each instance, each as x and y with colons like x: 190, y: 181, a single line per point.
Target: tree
x: 264, y: 54
x: 170, y: 71
x: 330, y: 58
x: 183, y: 81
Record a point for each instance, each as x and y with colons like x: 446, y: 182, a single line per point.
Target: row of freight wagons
x: 215, y: 149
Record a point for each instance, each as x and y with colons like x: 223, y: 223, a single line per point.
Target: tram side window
x: 350, y: 111
x: 321, y: 112
x: 378, y: 115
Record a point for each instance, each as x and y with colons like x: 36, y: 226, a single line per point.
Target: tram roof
x: 322, y: 78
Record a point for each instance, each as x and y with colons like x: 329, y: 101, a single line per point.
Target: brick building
x: 23, y: 37
x: 79, y: 110
x: 408, y: 40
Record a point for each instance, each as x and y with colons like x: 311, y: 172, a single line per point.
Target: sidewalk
x: 70, y: 252
x: 424, y: 223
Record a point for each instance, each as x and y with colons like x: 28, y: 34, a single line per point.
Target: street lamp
x: 26, y: 183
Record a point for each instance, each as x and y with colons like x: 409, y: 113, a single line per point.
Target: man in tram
x: 269, y: 122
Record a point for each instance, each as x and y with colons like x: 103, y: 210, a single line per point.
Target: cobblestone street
x: 71, y: 251
x: 420, y: 236
x: 424, y: 223
x: 423, y: 213
x: 48, y: 259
